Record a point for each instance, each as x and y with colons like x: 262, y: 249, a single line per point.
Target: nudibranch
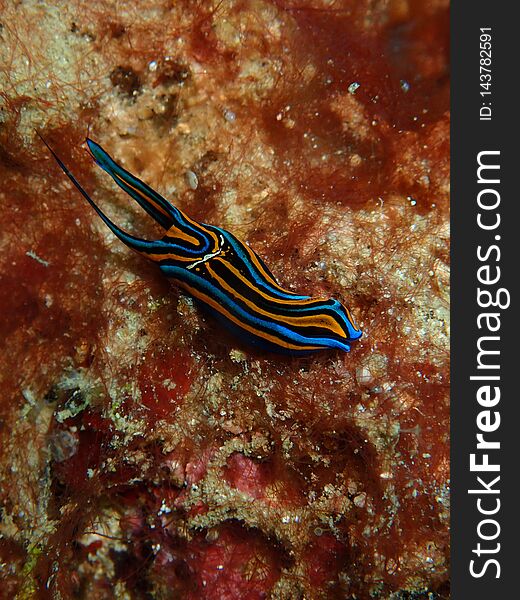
x: 226, y: 275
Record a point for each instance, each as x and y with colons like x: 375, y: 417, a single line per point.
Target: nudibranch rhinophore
x: 226, y: 275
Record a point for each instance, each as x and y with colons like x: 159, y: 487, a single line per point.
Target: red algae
x: 239, y: 563
x: 165, y: 379
x: 145, y: 451
x: 372, y: 74
x: 326, y: 556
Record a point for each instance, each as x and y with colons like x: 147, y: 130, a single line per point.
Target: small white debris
x: 353, y: 87
x: 165, y: 509
x: 169, y: 384
x: 363, y: 375
x: 33, y: 254
x: 29, y: 396
x: 374, y: 367
x: 230, y: 116
x: 237, y: 356
x: 192, y: 180
x: 360, y: 500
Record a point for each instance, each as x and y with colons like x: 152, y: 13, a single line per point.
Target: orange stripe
x: 351, y: 320
x: 253, y: 256
x: 261, y: 268
x: 308, y: 320
x: 215, y: 305
x: 266, y: 296
x: 204, y: 230
x: 147, y: 198
x: 180, y: 235
x: 160, y: 257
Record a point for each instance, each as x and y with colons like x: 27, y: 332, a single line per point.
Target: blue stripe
x: 221, y: 267
x: 282, y: 332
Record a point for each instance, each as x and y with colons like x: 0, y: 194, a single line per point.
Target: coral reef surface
x: 145, y: 452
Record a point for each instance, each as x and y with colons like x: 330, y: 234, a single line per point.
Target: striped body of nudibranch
x: 227, y: 276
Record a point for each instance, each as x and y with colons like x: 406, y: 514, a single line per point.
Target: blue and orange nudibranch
x: 226, y: 275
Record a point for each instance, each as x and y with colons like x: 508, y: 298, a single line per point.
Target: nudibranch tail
x: 226, y: 276
x: 153, y: 203
x: 135, y: 243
